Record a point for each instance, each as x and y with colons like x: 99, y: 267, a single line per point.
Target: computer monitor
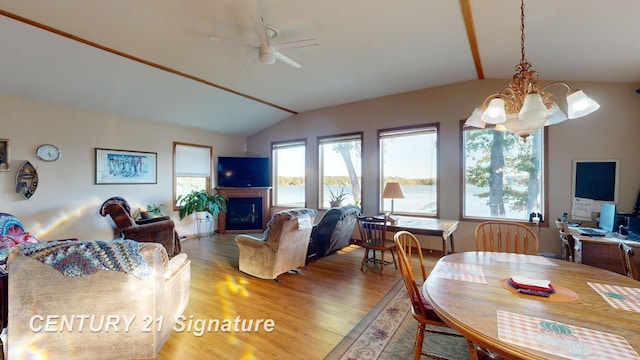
x: 607, y: 219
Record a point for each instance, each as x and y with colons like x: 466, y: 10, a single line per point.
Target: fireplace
x: 248, y: 209
x: 244, y: 213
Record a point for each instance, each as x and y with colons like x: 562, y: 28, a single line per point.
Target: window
x: 340, y: 169
x: 409, y: 156
x: 503, y: 174
x: 288, y: 161
x: 191, y: 169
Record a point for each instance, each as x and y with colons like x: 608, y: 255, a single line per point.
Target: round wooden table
x: 473, y: 308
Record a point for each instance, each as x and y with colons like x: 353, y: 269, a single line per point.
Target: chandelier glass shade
x: 526, y: 105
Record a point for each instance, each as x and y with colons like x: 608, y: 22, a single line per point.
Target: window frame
x: 208, y: 179
x: 408, y: 130
x: 274, y: 174
x: 321, y: 140
x: 543, y: 187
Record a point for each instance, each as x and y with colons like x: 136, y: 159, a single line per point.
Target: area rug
x: 388, y: 332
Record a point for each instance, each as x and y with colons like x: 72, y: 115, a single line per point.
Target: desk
x: 426, y: 226
x: 601, y: 252
x: 474, y: 308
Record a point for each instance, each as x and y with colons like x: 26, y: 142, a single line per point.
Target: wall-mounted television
x: 244, y: 171
x: 596, y: 179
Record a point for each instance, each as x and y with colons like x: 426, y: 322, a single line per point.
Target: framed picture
x: 4, y: 155
x: 126, y: 167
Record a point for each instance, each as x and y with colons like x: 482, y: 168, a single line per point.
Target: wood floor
x: 312, y: 311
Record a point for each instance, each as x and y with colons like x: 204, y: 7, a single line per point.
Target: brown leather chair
x: 156, y: 230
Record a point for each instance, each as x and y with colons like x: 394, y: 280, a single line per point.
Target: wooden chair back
x: 373, y: 231
x: 406, y: 244
x: 568, y: 242
x: 628, y: 261
x: 506, y: 236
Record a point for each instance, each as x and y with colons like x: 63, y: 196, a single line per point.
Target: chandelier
x: 525, y: 105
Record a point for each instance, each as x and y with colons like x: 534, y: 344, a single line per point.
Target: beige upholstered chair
x: 505, y: 236
x: 628, y: 262
x: 39, y: 293
x: 280, y: 248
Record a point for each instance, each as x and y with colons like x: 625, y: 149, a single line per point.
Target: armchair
x: 334, y: 230
x: 145, y: 306
x: 280, y: 248
x: 156, y: 230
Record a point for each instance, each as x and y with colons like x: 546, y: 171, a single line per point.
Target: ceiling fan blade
x: 258, y: 25
x: 296, y: 44
x: 252, y: 60
x: 287, y: 60
x: 230, y: 41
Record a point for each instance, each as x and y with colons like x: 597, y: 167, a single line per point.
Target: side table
x: 208, y: 222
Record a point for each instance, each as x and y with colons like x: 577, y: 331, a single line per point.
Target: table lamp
x: 392, y: 190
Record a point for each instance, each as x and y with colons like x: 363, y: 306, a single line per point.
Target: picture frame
x: 125, y: 167
x: 5, y: 161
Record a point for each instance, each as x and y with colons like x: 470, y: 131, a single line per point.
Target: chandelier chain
x: 522, y: 29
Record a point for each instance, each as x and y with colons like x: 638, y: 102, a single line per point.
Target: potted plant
x: 335, y: 200
x: 154, y: 210
x: 200, y: 202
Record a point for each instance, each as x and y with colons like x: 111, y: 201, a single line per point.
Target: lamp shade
x: 495, y: 113
x: 580, y: 104
x: 556, y: 115
x: 533, y: 108
x: 392, y: 190
x: 475, y: 119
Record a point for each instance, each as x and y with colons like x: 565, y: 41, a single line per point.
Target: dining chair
x: 628, y: 261
x: 407, y: 244
x: 373, y: 235
x: 568, y: 242
x: 506, y: 236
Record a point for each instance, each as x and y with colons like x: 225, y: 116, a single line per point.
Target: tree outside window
x: 288, y: 161
x: 340, y: 168
x: 503, y: 174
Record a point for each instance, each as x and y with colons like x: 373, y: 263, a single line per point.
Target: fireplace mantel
x: 263, y: 193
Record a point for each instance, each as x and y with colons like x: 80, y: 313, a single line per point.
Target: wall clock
x: 48, y: 152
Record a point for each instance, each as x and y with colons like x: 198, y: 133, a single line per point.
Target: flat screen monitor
x: 607, y: 219
x: 596, y: 179
x: 244, y: 172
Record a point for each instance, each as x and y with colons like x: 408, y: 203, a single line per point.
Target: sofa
x: 58, y: 312
x: 280, y: 248
x: 334, y: 230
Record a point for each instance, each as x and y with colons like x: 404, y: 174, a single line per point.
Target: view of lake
x: 418, y: 199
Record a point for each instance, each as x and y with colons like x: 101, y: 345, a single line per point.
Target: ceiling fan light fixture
x: 524, y: 105
x: 267, y: 54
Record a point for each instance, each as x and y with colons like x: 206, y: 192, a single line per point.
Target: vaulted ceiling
x: 154, y: 59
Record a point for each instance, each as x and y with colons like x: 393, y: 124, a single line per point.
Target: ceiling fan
x: 268, y: 53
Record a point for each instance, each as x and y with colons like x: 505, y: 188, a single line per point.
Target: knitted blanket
x: 82, y: 258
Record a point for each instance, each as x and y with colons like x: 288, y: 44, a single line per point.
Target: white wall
x: 609, y: 133
x: 67, y: 201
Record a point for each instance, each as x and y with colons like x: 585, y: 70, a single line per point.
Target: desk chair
x: 628, y: 262
x: 406, y: 243
x: 506, y: 236
x: 568, y: 242
x: 373, y: 232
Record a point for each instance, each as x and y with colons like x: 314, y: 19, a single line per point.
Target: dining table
x: 591, y: 313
